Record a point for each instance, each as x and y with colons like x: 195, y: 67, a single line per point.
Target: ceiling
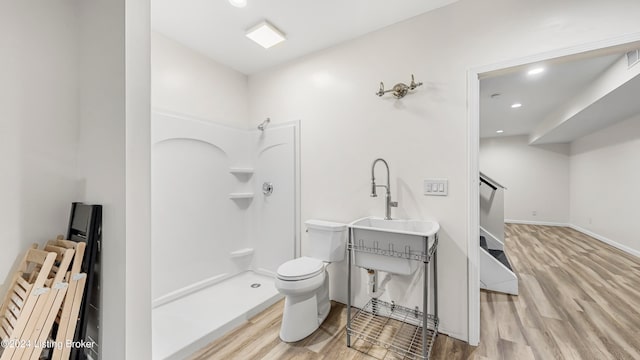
x: 539, y: 94
x: 217, y: 29
x: 620, y: 104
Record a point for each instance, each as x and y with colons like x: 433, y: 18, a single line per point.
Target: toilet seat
x: 300, y: 269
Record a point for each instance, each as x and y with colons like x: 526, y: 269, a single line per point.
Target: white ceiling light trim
x: 238, y: 3
x: 516, y: 105
x: 535, y: 71
x: 266, y: 35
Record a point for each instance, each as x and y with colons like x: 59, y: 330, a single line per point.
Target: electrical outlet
x: 534, y: 213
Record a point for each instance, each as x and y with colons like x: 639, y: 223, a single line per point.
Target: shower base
x: 183, y: 326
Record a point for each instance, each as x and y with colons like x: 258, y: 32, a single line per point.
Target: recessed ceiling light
x: 536, y: 71
x: 499, y: 131
x: 516, y: 105
x: 266, y: 35
x: 238, y: 3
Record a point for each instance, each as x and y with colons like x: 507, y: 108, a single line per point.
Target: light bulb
x: 238, y: 3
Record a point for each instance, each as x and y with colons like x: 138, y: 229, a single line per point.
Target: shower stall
x: 225, y: 215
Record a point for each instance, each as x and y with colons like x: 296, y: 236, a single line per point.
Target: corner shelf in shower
x: 241, y: 195
x: 241, y: 170
x: 242, y: 253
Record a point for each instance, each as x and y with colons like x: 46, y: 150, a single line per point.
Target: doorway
x: 476, y: 75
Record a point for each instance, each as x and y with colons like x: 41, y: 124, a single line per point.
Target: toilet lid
x: 300, y: 269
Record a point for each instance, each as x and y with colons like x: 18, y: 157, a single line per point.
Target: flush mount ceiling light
x: 265, y: 34
x: 535, y: 71
x: 499, y: 131
x: 238, y: 3
x: 516, y: 105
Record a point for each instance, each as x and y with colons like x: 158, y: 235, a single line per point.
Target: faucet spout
x: 388, y: 201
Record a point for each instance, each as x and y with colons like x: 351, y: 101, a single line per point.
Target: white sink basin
x: 393, y: 246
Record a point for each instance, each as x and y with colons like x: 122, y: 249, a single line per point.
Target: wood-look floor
x: 579, y: 299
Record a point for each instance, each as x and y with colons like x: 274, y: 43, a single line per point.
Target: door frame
x: 474, y: 75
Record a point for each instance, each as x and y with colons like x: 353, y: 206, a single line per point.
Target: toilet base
x: 303, y: 314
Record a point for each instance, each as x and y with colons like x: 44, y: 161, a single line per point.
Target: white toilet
x: 305, y: 283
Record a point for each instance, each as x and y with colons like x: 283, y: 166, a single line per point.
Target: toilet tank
x: 327, y: 239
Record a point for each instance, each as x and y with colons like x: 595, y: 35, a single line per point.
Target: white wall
x: 138, y: 178
x: 38, y: 123
x: 345, y: 126
x: 62, y: 136
x: 187, y: 82
x: 536, y: 177
x: 101, y: 153
x: 605, y: 173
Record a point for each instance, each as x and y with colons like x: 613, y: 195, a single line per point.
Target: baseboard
x: 187, y: 290
x: 606, y: 240
x: 530, y: 222
x: 452, y: 334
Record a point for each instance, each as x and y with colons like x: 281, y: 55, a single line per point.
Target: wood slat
x: 41, y: 321
x: 15, y: 308
x: 23, y: 283
x: 34, y: 304
x: 50, y: 247
x: 67, y: 318
x: 15, y: 299
x: 12, y: 284
x: 19, y: 291
x: 37, y: 256
x: 11, y: 319
x: 4, y: 334
x: 7, y: 326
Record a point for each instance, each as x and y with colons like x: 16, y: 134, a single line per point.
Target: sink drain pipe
x: 374, y: 290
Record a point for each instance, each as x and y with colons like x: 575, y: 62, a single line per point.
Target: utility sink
x: 394, y: 246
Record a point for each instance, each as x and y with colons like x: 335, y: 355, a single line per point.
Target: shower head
x: 264, y: 124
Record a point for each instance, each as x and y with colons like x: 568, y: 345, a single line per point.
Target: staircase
x: 498, y: 254
x: 496, y: 273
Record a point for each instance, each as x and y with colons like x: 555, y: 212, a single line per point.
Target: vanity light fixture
x: 399, y: 90
x: 265, y: 34
x: 516, y: 105
x: 238, y: 3
x: 535, y: 71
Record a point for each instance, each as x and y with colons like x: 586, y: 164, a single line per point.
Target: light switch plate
x: 436, y: 187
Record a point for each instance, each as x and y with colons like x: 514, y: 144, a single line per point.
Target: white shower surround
x: 196, y: 225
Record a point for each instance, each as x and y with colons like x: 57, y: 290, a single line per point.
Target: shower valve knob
x: 267, y: 188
